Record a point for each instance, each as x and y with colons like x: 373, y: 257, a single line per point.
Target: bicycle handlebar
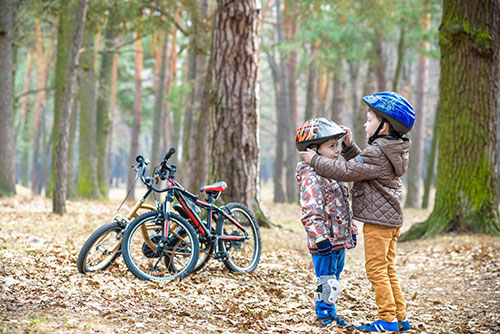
x: 161, y: 173
x: 169, y: 154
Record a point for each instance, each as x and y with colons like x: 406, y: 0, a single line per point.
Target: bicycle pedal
x: 221, y: 256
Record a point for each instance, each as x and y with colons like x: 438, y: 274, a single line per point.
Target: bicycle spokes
x: 240, y: 241
x: 151, y: 256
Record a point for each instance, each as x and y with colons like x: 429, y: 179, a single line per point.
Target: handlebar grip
x: 169, y: 154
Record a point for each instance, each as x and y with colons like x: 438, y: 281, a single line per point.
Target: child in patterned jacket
x: 326, y: 216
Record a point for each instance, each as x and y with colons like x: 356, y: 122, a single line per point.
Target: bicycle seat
x: 218, y: 187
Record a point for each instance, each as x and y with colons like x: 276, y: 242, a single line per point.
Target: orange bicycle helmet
x: 317, y: 131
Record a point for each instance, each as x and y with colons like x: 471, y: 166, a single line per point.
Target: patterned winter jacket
x: 325, y: 209
x: 376, y: 194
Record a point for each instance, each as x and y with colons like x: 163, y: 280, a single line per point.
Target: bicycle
x: 103, y: 246
x: 160, y: 245
x: 235, y: 239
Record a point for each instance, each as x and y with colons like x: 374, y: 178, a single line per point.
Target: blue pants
x: 331, y: 264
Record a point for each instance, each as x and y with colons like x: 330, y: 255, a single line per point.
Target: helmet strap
x: 376, y: 134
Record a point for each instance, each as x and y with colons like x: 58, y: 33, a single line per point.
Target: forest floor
x: 451, y: 283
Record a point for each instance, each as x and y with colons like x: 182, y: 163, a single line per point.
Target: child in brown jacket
x: 376, y: 197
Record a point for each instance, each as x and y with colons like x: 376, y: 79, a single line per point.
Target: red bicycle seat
x: 219, y: 186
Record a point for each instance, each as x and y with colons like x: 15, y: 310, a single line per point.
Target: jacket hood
x: 303, y: 168
x: 396, y: 150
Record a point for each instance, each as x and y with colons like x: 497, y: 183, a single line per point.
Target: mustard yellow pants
x: 380, y: 254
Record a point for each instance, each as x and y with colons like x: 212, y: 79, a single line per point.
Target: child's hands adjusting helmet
x: 324, y: 247
x: 307, y: 155
x: 348, y: 136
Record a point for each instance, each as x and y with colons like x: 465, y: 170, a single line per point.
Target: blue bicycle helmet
x: 394, y: 108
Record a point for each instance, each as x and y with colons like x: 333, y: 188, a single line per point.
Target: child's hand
x: 324, y: 247
x: 307, y: 155
x: 348, y: 136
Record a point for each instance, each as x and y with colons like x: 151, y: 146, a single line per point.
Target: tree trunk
x: 279, y: 189
x: 72, y: 182
x: 323, y: 79
x: 136, y: 126
x: 466, y: 184
x: 311, y: 86
x: 159, y: 107
x: 338, y: 98
x: 177, y: 117
x: 416, y: 163
x: 287, y: 114
x: 401, y: 53
x: 203, y: 147
x: 43, y: 63
x: 61, y: 153
x: 26, y: 131
x: 103, y: 117
x: 46, y: 157
x: 168, y: 134
x: 64, y: 36
x: 196, y: 75
x: 39, y: 105
x: 7, y: 149
x: 235, y: 153
x: 359, y: 114
x: 190, y: 113
x: 87, y: 185
x: 112, y: 89
x: 379, y: 62
x: 24, y: 101
x: 25, y: 149
x: 292, y: 157
x: 431, y: 164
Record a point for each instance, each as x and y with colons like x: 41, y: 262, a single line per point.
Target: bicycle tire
x: 243, y: 256
x: 177, y: 261
x: 94, y: 244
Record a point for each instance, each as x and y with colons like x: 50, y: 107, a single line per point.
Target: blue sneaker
x: 341, y: 322
x: 326, y: 321
x: 404, y: 326
x: 381, y: 326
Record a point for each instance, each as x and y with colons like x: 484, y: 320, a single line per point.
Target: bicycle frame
x: 132, y: 214
x: 205, y: 229
x: 176, y: 191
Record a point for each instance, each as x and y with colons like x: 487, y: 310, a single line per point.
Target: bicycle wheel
x: 243, y: 255
x: 148, y: 261
x: 206, y: 250
x: 101, y: 249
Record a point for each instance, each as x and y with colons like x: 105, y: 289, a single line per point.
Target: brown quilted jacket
x: 376, y: 194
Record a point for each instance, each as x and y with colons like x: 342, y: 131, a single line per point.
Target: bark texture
x: 103, y: 111
x: 466, y: 184
x: 136, y: 126
x: 87, y: 186
x: 416, y: 163
x: 61, y: 153
x: 7, y: 149
x: 235, y: 153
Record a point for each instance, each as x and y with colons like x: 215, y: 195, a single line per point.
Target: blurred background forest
x: 141, y: 85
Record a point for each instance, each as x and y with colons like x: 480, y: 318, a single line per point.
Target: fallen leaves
x: 451, y: 283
